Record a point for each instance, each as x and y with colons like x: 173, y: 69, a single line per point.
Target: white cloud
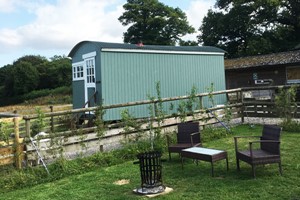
x: 62, y: 25
x: 58, y: 25
x: 7, y: 6
x: 195, y: 13
x: 9, y: 39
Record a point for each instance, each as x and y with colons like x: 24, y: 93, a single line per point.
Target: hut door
x: 90, y: 85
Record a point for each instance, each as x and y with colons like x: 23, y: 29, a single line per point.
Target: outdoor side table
x: 205, y: 154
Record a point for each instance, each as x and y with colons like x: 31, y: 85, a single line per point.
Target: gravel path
x: 256, y: 120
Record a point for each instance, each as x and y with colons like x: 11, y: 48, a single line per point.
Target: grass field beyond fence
x: 192, y: 182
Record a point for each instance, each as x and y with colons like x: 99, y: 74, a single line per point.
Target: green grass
x: 192, y: 182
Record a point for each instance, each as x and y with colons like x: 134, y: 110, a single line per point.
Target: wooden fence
x: 73, y: 140
x: 14, y: 153
x: 262, y: 101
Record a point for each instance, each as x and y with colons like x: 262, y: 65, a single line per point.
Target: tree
x: 251, y: 27
x: 188, y: 43
x: 60, y: 72
x: 35, y: 72
x: 3, y: 73
x: 33, y: 59
x: 22, y: 78
x: 40, y: 63
x: 152, y: 22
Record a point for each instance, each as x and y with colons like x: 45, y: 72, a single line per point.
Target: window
x: 293, y: 74
x: 85, y: 69
x: 78, y: 71
x: 90, y: 70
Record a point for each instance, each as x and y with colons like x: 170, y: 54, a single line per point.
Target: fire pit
x: 151, y: 173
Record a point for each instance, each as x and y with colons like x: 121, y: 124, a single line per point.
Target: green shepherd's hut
x: 120, y: 73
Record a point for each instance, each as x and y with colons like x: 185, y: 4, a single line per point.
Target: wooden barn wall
x: 244, y: 77
x: 128, y: 77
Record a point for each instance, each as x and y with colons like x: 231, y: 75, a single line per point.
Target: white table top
x: 202, y: 150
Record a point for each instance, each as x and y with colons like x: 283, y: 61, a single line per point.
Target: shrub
x: 45, y: 92
x: 286, y: 104
x: 291, y: 126
x: 4, y: 132
x: 286, y: 107
x: 39, y: 124
x: 210, y: 133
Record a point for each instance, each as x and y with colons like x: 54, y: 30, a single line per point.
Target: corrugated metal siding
x: 130, y: 77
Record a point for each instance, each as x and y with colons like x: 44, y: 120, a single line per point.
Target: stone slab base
x: 167, y: 190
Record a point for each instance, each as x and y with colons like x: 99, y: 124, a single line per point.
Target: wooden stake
x: 18, y: 154
x: 52, y: 119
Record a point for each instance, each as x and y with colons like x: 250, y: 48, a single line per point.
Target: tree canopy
x: 152, y: 22
x: 24, y: 78
x: 32, y: 72
x: 251, y: 27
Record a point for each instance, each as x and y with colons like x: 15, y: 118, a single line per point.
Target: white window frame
x: 76, y: 74
x: 90, y: 69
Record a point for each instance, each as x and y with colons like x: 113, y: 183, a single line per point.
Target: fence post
x: 240, y: 96
x: 243, y: 107
x: 201, y: 102
x: 27, y: 125
x: 18, y: 154
x: 242, y: 117
x: 52, y: 119
x: 155, y: 109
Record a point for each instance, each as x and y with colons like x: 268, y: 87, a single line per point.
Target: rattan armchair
x: 267, y: 153
x: 188, y: 135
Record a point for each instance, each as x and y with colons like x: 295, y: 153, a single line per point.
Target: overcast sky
x: 53, y: 27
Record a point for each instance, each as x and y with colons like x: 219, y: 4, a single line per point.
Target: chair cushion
x: 258, y: 156
x: 258, y: 153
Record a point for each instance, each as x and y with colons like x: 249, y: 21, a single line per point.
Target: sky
x: 54, y: 27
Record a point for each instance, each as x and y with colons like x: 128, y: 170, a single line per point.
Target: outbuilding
x: 262, y: 70
x: 119, y: 73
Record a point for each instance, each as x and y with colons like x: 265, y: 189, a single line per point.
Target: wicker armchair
x: 269, y: 151
x: 188, y: 135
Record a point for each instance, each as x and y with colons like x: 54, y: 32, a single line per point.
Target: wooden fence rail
x: 58, y: 123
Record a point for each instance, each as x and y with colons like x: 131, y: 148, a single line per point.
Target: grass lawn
x: 193, y: 182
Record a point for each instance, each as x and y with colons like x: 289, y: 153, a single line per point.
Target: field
x: 27, y: 109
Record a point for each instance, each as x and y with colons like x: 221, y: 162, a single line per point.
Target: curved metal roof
x: 106, y: 45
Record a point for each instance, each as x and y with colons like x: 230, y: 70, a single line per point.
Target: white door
x: 90, y: 81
